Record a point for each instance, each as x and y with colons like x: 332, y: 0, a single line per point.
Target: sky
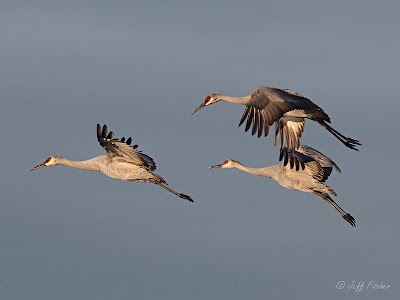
x: 142, y: 67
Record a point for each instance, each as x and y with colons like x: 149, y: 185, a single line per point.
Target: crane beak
x: 216, y: 166
x: 43, y: 164
x: 200, y: 107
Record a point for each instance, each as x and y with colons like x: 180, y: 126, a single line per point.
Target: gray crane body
x: 287, y: 177
x: 111, y: 167
x: 310, y: 179
x: 122, y: 161
x: 287, y: 109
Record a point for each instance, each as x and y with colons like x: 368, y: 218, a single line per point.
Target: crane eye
x: 207, y: 99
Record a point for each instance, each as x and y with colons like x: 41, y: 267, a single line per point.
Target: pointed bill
x: 200, y: 107
x: 43, y: 164
x: 216, y: 166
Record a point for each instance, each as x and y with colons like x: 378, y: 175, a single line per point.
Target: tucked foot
x: 183, y: 196
x: 349, y: 218
x: 353, y: 141
x: 351, y: 145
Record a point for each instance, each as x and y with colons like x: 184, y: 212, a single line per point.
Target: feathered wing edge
x: 117, y: 147
x: 305, y: 154
x: 318, y: 156
x: 268, y: 106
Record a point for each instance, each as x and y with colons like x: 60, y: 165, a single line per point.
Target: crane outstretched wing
x: 267, y: 106
x: 305, y: 156
x: 326, y: 163
x: 121, y: 149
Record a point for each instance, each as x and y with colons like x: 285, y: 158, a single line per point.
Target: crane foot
x: 186, y: 197
x: 349, y: 218
x: 351, y: 145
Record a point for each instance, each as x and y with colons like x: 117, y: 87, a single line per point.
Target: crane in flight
x: 286, y: 108
x: 122, y: 161
x: 311, y: 179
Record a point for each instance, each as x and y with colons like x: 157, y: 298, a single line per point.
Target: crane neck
x: 270, y: 172
x: 90, y: 164
x: 237, y: 100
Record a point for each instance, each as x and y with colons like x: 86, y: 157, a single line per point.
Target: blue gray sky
x: 142, y: 67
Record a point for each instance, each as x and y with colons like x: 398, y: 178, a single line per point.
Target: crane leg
x: 349, y: 218
x: 183, y: 196
x: 348, y: 142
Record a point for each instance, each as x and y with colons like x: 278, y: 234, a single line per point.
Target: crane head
x: 210, y: 99
x: 228, y: 164
x: 51, y: 161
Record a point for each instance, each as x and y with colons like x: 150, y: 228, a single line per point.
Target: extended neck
x: 237, y: 100
x: 270, y: 172
x: 90, y: 164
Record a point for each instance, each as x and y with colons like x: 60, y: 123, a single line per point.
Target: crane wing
x: 269, y: 105
x: 121, y: 149
x: 305, y: 156
x: 312, y: 169
x: 326, y: 163
x: 290, y: 130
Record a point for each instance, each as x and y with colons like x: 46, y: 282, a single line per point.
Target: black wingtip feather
x: 260, y: 126
x: 249, y: 120
x: 256, y: 122
x: 285, y: 159
x: 281, y: 155
x: 110, y: 135
x: 98, y: 131
x: 104, y: 131
x: 291, y: 162
x: 245, y: 113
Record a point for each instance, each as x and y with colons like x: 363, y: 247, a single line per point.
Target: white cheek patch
x: 211, y: 101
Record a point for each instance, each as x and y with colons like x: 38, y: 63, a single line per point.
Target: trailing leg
x: 349, y: 218
x: 348, y: 142
x: 183, y: 196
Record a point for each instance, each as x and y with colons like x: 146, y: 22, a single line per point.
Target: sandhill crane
x: 286, y: 108
x: 317, y: 169
x: 122, y: 161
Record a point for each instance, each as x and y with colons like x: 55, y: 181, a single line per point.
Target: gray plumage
x: 121, y: 151
x: 317, y: 168
x: 286, y: 108
x: 122, y: 161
